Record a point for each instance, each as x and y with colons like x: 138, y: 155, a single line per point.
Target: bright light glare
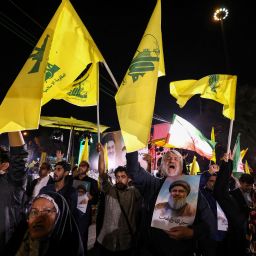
x: 220, y: 14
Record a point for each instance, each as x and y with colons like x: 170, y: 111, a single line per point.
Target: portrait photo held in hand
x: 176, y: 202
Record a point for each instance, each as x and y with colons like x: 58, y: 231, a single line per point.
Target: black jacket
x: 12, y: 194
x: 236, y: 220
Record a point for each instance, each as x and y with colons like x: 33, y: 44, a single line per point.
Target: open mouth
x: 171, y: 166
x: 38, y: 226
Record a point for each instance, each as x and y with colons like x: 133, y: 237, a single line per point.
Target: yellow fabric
x: 70, y: 123
x: 84, y: 91
x: 106, y: 156
x: 21, y: 107
x: 194, y: 167
x: 43, y: 158
x: 246, y: 168
x: 243, y: 153
x: 85, y: 154
x: 71, y: 51
x: 219, y: 87
x: 213, y: 140
x: 135, y: 98
x: 62, y: 53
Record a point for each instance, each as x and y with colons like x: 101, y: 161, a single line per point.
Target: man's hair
x: 85, y: 163
x: 4, y: 155
x: 246, y: 178
x: 181, y: 183
x: 47, y: 165
x: 120, y: 169
x: 66, y: 166
x: 177, y: 153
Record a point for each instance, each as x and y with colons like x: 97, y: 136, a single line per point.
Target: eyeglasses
x: 35, y: 212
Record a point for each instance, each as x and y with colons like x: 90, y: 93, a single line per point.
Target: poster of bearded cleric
x: 176, y: 202
x: 114, y: 143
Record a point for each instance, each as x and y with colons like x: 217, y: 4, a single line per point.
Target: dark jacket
x: 218, y: 235
x: 68, y: 192
x: 239, y: 198
x: 236, y: 220
x: 154, y: 240
x: 12, y: 193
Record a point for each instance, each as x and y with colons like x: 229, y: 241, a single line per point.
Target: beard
x: 57, y: 178
x: 176, y: 204
x: 121, y: 186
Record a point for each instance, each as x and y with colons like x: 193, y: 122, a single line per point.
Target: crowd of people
x: 52, y: 214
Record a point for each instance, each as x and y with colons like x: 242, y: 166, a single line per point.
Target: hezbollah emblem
x: 37, y: 55
x: 144, y: 61
x: 78, y: 89
x: 213, y: 82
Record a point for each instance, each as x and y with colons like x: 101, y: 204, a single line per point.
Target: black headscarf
x: 64, y: 238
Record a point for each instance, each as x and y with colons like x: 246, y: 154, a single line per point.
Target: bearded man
x: 120, y: 214
x: 178, y: 240
x: 177, y: 205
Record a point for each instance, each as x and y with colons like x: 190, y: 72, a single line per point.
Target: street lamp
x: 220, y: 14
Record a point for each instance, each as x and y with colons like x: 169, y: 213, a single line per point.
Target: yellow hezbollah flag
x: 135, y: 98
x: 21, y: 107
x: 194, y: 167
x: 62, y: 53
x: 220, y: 88
x: 72, y: 50
x: 83, y: 92
x: 213, y: 140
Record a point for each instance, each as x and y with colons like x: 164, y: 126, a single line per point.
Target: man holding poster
x: 171, y: 238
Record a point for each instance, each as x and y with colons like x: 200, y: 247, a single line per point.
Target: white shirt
x: 41, y: 183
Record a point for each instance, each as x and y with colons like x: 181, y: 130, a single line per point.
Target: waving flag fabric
x: 71, y: 51
x: 84, y: 91
x: 183, y: 134
x: 60, y: 56
x: 218, y: 87
x: 135, y: 99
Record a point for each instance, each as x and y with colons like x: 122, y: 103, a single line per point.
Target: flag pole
x: 230, y: 135
x: 98, y: 106
x: 111, y: 75
x: 70, y: 142
x: 220, y: 15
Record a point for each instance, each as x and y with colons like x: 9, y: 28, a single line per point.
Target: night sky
x: 192, y: 43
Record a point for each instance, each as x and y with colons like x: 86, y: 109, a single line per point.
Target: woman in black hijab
x: 50, y: 230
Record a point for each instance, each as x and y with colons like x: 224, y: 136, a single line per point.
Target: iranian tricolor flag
x: 183, y: 134
x: 238, y: 156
